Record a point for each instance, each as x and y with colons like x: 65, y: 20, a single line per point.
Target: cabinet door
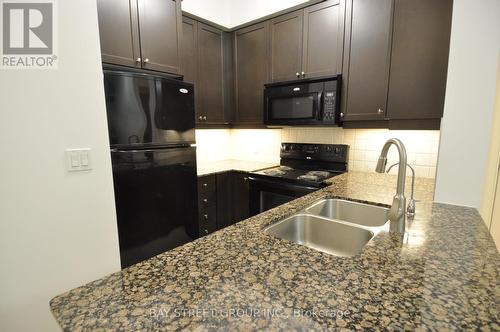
x: 419, y: 61
x: 252, y: 72
x: 189, y: 56
x: 323, y: 39
x: 241, y: 194
x: 369, y: 60
x: 119, y: 32
x: 160, y: 29
x: 225, y: 197
x: 286, y: 46
x: 210, y: 74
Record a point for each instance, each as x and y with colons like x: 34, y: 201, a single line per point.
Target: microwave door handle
x: 320, y: 108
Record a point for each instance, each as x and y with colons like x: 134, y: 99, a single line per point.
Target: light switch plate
x: 78, y: 160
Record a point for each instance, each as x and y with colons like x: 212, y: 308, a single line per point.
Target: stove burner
x: 305, y: 177
x: 280, y: 171
x: 314, y: 176
x: 319, y: 174
x: 274, y: 172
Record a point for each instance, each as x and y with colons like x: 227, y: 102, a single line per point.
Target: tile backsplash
x: 365, y: 145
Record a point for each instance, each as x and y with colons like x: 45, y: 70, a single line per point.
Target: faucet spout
x: 397, y: 211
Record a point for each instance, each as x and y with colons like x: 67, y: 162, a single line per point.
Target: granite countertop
x: 443, y: 275
x: 205, y: 168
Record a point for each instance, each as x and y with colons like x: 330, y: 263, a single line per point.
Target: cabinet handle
x: 205, y: 216
x: 205, y: 200
x: 245, y: 178
x: 146, y: 60
x: 303, y: 74
x: 205, y: 118
x: 341, y: 115
x: 297, y: 74
x: 200, y: 118
x: 380, y: 111
x: 205, y: 185
x: 138, y: 60
x: 206, y: 231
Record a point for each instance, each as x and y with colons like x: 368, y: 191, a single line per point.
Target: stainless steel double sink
x: 333, y: 226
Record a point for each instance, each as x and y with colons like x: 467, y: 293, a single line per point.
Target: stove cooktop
x: 290, y: 174
x: 308, y: 164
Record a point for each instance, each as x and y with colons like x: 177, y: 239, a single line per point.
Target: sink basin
x: 353, y: 212
x: 318, y: 233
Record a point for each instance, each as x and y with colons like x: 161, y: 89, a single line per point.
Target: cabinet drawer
x: 207, y: 220
x: 206, y: 184
x: 207, y: 199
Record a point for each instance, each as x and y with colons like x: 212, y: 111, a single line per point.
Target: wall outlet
x: 78, y: 160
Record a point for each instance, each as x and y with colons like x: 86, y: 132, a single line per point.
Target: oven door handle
x: 280, y: 184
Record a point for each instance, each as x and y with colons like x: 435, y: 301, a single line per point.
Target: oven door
x: 294, y: 104
x: 266, y: 194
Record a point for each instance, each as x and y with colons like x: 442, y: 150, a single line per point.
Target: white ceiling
x: 231, y: 13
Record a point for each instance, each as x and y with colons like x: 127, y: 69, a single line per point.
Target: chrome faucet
x: 410, y: 210
x: 397, y: 214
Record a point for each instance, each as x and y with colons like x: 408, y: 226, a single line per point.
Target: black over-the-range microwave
x: 303, y: 102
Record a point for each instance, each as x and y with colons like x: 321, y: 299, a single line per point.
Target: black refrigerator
x: 151, y: 130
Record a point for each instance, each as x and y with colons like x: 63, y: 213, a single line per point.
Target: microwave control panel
x: 329, y: 106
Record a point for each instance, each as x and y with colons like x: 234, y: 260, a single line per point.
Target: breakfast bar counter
x: 442, y: 275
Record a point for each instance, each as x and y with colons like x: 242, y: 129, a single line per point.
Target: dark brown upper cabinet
x: 119, y: 32
x: 144, y: 35
x: 308, y: 42
x: 210, y: 74
x: 419, y: 61
x: 160, y: 28
x: 206, y: 61
x: 368, y: 57
x: 323, y: 39
x: 286, y: 46
x: 189, y: 57
x: 396, y: 63
x: 251, y: 62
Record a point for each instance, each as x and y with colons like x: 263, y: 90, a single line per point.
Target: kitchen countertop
x: 205, y: 168
x: 443, y: 275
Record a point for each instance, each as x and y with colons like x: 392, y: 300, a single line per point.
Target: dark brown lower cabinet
x: 223, y: 200
x: 207, y: 204
x: 241, y: 197
x: 232, y: 198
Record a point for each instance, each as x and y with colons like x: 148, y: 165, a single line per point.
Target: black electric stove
x: 303, y: 169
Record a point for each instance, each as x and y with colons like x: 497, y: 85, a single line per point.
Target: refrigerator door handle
x: 131, y: 151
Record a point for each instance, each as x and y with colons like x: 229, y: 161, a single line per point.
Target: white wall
x: 217, y: 11
x: 231, y: 13
x: 470, y: 92
x: 57, y: 230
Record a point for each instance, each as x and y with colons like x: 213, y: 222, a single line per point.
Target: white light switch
x: 78, y: 160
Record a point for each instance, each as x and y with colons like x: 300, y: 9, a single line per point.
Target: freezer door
x: 174, y: 119
x: 156, y: 201
x: 148, y: 110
